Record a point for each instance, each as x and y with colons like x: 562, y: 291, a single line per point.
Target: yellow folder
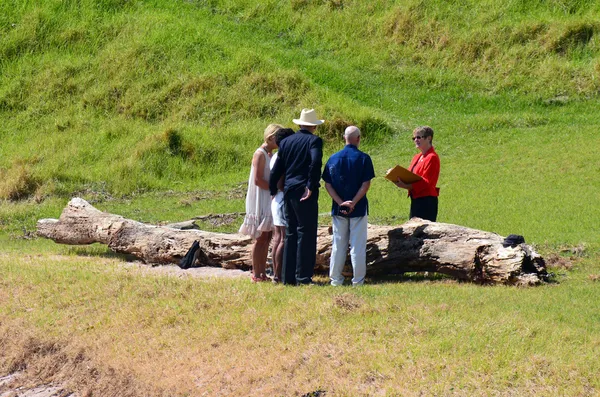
x: 405, y: 175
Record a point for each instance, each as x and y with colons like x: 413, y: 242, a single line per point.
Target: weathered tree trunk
x: 415, y: 246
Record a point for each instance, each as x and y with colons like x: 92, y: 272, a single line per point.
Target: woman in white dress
x: 258, y: 222
x: 278, y: 212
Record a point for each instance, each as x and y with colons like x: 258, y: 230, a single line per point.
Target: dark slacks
x: 300, y: 250
x: 424, y: 208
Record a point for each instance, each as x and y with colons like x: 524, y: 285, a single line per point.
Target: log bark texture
x: 415, y: 246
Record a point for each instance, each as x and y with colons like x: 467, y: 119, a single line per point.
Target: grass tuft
x: 348, y: 302
x: 176, y: 145
x: 333, y: 130
x: 572, y: 37
x: 18, y: 182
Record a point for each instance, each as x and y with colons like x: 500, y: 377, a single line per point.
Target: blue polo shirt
x: 346, y: 171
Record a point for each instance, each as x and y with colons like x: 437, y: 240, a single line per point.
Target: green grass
x: 139, y: 95
x: 514, y: 172
x: 118, y: 99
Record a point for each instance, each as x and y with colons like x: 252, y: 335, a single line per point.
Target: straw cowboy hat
x: 308, y: 117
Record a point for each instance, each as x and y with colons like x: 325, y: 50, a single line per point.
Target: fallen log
x: 415, y: 246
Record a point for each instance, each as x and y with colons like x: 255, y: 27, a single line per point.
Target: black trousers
x: 300, y: 250
x: 424, y: 208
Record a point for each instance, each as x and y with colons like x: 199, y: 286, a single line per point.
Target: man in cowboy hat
x: 299, y: 160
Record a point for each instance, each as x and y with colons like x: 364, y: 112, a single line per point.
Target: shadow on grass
x: 322, y: 280
x: 412, y: 277
x: 98, y: 251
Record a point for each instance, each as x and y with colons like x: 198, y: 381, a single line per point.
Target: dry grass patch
x: 559, y: 262
x: 41, y: 361
x: 18, y: 182
x: 347, y: 302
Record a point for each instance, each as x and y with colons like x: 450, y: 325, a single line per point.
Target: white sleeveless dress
x: 258, y: 217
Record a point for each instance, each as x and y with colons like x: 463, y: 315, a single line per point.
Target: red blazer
x: 428, y: 167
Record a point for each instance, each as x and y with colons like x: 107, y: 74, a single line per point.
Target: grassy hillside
x: 119, y: 98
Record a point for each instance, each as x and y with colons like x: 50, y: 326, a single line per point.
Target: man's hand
x: 306, y: 195
x: 347, y: 207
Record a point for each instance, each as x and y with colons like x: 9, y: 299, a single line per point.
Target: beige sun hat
x: 308, y: 117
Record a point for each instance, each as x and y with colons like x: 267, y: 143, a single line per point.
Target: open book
x: 405, y: 175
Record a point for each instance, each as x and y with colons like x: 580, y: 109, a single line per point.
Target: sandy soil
x: 8, y: 388
x: 199, y: 272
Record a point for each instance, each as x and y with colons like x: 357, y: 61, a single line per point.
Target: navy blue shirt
x: 299, y: 158
x: 346, y: 171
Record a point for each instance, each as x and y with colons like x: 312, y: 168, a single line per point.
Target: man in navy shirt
x: 347, y: 177
x: 299, y: 160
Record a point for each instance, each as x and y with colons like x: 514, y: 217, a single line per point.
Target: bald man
x: 347, y: 177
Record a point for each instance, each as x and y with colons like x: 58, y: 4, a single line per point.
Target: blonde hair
x: 271, y: 130
x: 424, y: 131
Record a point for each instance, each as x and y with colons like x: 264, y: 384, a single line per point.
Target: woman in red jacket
x: 424, y: 193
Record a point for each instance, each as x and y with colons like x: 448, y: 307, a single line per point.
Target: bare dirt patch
x: 198, y: 272
x: 9, y: 388
x: 559, y: 262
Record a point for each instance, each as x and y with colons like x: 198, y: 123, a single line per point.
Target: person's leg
x: 290, y: 247
x: 274, y: 245
x: 339, y: 249
x: 255, y: 255
x: 434, y: 209
x: 424, y: 208
x: 415, y: 208
x: 308, y: 213
x: 358, y: 252
x: 260, y: 250
x: 265, y: 238
x: 277, y: 252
